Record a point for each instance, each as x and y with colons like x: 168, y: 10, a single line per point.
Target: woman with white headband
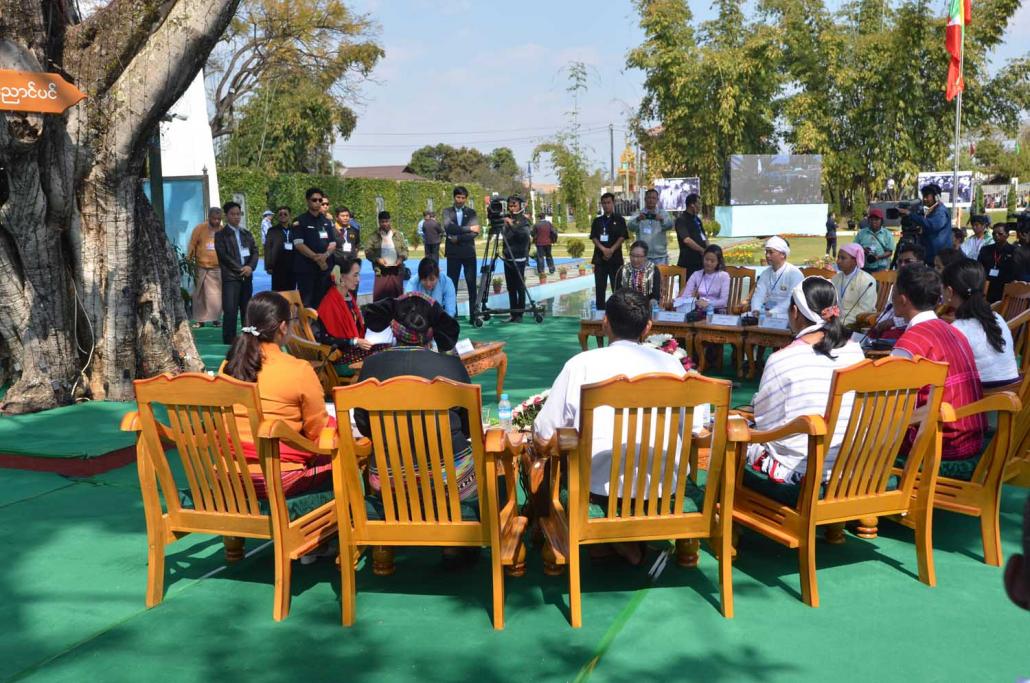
x: 772, y: 291
x: 796, y: 382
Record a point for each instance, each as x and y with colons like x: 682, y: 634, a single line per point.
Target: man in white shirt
x: 772, y: 291
x: 627, y: 320
x: 981, y: 237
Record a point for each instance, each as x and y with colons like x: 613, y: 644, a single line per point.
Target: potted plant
x: 563, y: 272
x: 582, y: 269
x: 496, y: 282
x: 543, y: 277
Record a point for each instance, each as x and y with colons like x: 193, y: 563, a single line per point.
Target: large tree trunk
x: 89, y: 285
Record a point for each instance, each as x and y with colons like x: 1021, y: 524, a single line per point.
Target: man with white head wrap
x: 796, y: 382
x: 772, y: 291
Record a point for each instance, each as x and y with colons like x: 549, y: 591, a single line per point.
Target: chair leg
x: 806, y: 560
x: 574, y: 596
x: 551, y: 566
x: 233, y: 548
x: 497, y: 574
x: 382, y: 560
x: 686, y: 552
x: 924, y: 546
x: 283, y: 574
x: 155, y: 572
x: 348, y: 587
x: 991, y: 534
x: 518, y: 564
x: 834, y: 533
x: 726, y: 574
x: 867, y: 527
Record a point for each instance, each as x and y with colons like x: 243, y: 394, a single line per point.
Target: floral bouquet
x: 666, y: 344
x: 523, y: 414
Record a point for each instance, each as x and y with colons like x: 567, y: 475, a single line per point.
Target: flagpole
x: 958, y: 123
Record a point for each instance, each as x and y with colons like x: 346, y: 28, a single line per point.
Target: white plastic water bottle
x: 654, y: 309
x: 709, y: 312
x: 593, y: 310
x: 504, y: 412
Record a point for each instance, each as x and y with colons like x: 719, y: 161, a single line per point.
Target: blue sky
x: 488, y: 74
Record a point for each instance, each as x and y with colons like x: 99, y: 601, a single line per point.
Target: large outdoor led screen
x: 775, y: 179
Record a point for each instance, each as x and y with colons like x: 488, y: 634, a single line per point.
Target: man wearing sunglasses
x: 314, y: 242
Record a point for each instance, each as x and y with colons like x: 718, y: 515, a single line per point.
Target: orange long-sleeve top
x: 289, y: 391
x: 202, y: 246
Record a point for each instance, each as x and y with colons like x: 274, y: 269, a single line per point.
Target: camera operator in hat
x: 877, y: 243
x: 651, y: 223
x: 515, y: 255
x: 934, y: 223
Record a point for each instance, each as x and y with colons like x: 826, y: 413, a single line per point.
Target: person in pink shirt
x: 709, y: 286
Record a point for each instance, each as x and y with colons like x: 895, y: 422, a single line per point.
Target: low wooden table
x: 763, y: 337
x: 487, y: 355
x: 734, y: 335
x: 681, y: 332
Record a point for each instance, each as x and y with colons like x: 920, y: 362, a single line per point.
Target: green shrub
x: 576, y: 247
x: 712, y: 227
x: 978, y: 200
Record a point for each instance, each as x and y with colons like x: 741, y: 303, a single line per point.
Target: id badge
x: 244, y: 253
x: 993, y: 272
x: 346, y: 247
x: 604, y: 236
x: 210, y: 246
x: 324, y: 234
x: 288, y: 246
x: 645, y: 231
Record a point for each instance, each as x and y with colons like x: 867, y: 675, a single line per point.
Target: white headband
x: 797, y: 295
x: 779, y: 244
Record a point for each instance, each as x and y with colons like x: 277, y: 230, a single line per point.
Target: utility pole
x: 611, y: 151
x: 532, y: 197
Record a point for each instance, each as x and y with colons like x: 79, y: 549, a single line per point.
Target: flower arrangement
x: 524, y: 413
x: 666, y: 344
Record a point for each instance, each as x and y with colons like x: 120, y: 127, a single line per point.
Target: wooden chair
x: 1017, y: 469
x: 812, y: 271
x: 411, y: 415
x: 1015, y: 299
x: 980, y: 496
x: 886, y: 392
x: 673, y: 279
x: 740, y: 295
x: 640, y: 404
x: 885, y: 280
x: 1020, y: 329
x: 202, y: 427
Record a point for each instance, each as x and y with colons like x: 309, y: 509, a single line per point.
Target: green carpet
x: 83, y: 430
x: 73, y: 578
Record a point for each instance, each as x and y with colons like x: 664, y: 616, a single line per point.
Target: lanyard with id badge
x: 604, y: 230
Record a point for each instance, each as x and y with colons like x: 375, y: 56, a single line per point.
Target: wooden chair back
x: 885, y: 280
x: 1017, y: 469
x: 1015, y: 299
x: 886, y: 393
x: 742, y: 285
x: 202, y: 425
x: 296, y: 306
x: 1020, y: 329
x: 673, y: 280
x: 413, y: 453
x: 813, y: 271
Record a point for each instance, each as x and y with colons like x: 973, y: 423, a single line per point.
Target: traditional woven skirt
x: 207, y: 295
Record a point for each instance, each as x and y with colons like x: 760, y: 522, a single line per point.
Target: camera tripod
x: 491, y: 253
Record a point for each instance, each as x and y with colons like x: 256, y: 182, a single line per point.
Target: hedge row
x: 404, y: 199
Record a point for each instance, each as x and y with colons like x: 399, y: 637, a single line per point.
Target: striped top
x: 796, y: 382
x: 939, y: 341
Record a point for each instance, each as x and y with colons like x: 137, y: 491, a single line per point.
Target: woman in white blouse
x: 796, y: 381
x: 986, y: 331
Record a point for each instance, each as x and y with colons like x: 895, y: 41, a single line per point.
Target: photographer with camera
x: 877, y: 243
x: 515, y: 254
x: 651, y: 224
x: 934, y: 224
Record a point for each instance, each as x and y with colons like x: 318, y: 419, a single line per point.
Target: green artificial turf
x: 82, y: 430
x: 73, y: 579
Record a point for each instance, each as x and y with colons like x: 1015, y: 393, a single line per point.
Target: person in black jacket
x: 237, y: 258
x: 607, y: 232
x: 461, y: 225
x: 279, y: 252
x: 515, y: 255
x: 999, y: 262
x: 690, y: 233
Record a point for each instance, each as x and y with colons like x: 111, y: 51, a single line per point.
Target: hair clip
x: 252, y: 330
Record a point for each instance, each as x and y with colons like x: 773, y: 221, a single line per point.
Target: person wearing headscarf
x: 640, y: 274
x: 856, y: 289
x: 796, y: 381
x: 416, y: 322
x: 772, y: 291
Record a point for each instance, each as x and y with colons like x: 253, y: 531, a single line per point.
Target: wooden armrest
x: 866, y: 320
x: 564, y: 440
x: 996, y: 306
x: 1018, y: 320
x: 499, y: 441
x: 1005, y: 401
x: 131, y: 422
x: 327, y: 439
x: 737, y: 429
x: 277, y: 429
x: 812, y: 425
x: 363, y: 447
x: 323, y: 351
x: 740, y: 309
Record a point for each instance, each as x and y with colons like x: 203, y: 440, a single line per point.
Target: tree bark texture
x: 89, y: 284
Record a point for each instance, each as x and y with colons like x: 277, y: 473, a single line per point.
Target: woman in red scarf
x: 340, y: 323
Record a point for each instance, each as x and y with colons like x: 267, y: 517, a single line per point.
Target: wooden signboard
x: 36, y: 92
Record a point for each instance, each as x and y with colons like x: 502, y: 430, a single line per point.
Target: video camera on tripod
x: 496, y: 212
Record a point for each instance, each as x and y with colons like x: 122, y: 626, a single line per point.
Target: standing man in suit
x: 607, y: 232
x: 237, y: 258
x: 279, y: 252
x: 461, y: 225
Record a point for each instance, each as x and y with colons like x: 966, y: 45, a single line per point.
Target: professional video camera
x: 496, y: 212
x: 907, y: 224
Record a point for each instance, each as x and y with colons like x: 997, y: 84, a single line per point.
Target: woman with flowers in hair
x: 289, y: 390
x: 796, y: 382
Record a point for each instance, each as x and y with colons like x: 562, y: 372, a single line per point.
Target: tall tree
x: 271, y: 40
x: 89, y: 286
x: 497, y: 170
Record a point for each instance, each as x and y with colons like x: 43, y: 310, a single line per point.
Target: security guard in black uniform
x: 314, y: 240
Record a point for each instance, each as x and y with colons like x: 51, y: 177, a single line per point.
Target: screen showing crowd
x: 775, y: 179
